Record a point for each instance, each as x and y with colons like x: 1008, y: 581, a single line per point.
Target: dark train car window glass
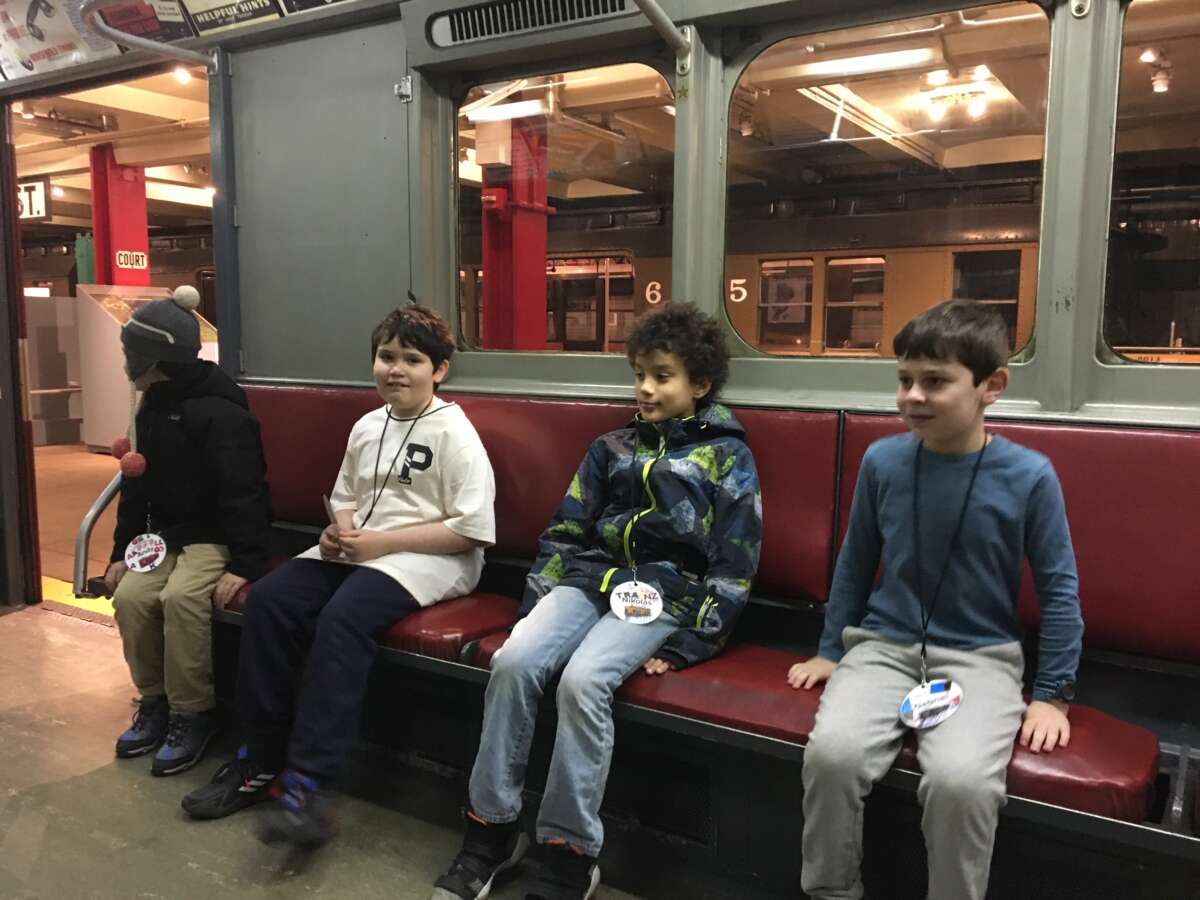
x: 854, y: 304
x: 992, y: 277
x: 565, y: 186
x: 878, y: 170
x: 1152, y: 295
x: 785, y: 305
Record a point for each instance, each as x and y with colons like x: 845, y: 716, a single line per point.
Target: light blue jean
x: 572, y: 628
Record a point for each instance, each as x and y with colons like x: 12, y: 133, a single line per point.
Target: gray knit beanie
x: 162, y: 331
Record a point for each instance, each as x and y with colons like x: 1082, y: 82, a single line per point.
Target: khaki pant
x: 165, y: 619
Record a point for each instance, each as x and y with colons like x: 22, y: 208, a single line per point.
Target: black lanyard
x: 927, y: 615
x: 377, y: 489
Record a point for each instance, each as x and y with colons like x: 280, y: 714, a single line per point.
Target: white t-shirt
x: 441, y: 474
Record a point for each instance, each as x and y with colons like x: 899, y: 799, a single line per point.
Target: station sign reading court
x: 131, y: 259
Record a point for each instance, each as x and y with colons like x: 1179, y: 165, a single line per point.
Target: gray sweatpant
x: 964, y: 760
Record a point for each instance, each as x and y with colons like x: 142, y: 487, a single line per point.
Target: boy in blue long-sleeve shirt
x: 951, y: 512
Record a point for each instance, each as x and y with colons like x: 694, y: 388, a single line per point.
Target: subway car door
x: 314, y: 150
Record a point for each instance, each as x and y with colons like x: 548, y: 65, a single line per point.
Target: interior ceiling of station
x: 801, y: 114
x: 158, y: 122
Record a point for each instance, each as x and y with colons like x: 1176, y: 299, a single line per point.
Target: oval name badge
x: 145, y: 553
x: 931, y: 704
x: 636, y: 602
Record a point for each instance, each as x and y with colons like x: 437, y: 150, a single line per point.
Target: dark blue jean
x: 332, y: 614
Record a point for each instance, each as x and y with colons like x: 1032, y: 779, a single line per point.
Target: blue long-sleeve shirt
x: 1016, y: 512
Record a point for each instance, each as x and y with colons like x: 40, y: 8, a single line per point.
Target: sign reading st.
x: 33, y: 200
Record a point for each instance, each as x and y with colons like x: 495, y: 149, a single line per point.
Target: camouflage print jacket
x: 689, y: 513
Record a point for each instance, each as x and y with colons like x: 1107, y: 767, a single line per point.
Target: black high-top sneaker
x: 149, y: 728
x: 487, y: 850
x: 561, y: 873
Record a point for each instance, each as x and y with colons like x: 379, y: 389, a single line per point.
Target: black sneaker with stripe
x: 239, y: 783
x: 487, y: 851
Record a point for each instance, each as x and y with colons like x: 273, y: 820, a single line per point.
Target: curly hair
x: 695, y: 337
x: 417, y: 327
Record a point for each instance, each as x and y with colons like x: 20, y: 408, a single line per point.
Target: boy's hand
x: 330, y: 548
x: 227, y: 587
x: 810, y: 673
x: 656, y: 666
x: 1046, y: 726
x: 362, y: 544
x: 112, y: 577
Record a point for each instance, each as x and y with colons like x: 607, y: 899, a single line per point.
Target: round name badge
x: 931, y: 704
x: 145, y: 553
x: 636, y: 602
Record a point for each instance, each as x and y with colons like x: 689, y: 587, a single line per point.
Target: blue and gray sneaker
x: 187, y: 738
x: 148, y: 730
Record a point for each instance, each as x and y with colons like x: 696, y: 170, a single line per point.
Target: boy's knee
x: 835, y: 755
x: 129, y: 599
x: 185, y: 604
x: 962, y: 784
x: 512, y: 663
x: 582, y: 687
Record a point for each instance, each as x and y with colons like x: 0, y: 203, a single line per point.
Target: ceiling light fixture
x: 937, y: 77
x: 981, y: 73
x: 1160, y: 81
x: 977, y: 107
x: 182, y: 75
x: 867, y: 64
x: 502, y: 112
x: 1149, y: 55
x: 937, y: 110
x: 57, y: 193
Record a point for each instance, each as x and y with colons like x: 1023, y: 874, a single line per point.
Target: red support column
x: 514, y: 242
x: 119, y: 227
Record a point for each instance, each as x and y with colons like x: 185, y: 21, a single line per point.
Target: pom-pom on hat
x: 162, y: 331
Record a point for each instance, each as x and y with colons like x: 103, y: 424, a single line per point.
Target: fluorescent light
x: 182, y: 75
x: 937, y: 110
x: 502, y: 112
x: 981, y: 73
x: 1149, y: 55
x: 37, y: 292
x: 977, y: 107
x: 871, y: 62
x: 1161, y: 81
x: 937, y: 78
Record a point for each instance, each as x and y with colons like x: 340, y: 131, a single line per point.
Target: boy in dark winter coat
x: 646, y: 565
x: 191, y: 530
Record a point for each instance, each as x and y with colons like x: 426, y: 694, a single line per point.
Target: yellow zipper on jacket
x: 662, y: 449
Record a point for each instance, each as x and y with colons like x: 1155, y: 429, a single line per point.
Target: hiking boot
x: 148, y: 729
x: 561, y: 873
x: 302, y: 817
x: 239, y: 783
x: 487, y: 850
x: 187, y: 738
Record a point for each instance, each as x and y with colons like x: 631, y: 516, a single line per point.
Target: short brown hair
x: 957, y: 331
x: 416, y: 327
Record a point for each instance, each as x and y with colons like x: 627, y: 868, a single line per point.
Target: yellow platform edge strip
x: 63, y: 592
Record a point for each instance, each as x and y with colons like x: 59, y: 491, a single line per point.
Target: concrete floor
x: 77, y: 823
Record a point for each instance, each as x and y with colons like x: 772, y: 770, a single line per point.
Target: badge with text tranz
x: 636, y: 602
x: 145, y: 553
x: 931, y: 703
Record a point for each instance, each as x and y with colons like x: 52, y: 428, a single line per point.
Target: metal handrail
x: 676, y: 38
x: 84, y: 535
x: 90, y: 13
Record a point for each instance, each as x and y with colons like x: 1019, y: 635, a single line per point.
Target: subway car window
x: 876, y: 171
x: 564, y: 185
x: 1152, y: 296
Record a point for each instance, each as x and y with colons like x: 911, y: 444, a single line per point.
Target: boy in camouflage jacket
x: 647, y: 563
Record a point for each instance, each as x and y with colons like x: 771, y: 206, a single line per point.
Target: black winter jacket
x: 205, y: 479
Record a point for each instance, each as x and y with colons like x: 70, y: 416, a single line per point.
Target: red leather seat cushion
x: 1138, y: 581
x: 442, y: 630
x: 796, y: 456
x: 1108, y: 768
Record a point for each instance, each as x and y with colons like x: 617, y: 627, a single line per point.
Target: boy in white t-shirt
x: 414, y: 508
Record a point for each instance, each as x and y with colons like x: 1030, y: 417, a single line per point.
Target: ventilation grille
x: 508, y: 17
